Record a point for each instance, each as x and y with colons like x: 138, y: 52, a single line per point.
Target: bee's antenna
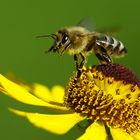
x: 53, y: 36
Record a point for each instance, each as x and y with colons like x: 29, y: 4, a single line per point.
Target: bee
x: 80, y: 42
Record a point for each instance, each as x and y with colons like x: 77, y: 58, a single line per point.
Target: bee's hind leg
x: 99, y: 56
x: 79, y: 66
x: 102, y: 55
x: 107, y: 58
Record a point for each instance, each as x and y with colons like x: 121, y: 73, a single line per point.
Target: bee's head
x: 67, y: 38
x: 61, y: 42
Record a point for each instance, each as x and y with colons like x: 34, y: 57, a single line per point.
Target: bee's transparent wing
x: 90, y: 25
x: 113, y: 30
x: 87, y: 23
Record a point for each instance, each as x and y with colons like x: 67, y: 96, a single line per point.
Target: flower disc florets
x: 109, y: 93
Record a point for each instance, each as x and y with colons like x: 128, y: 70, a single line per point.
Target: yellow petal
x: 55, y: 95
x: 95, y: 131
x: 42, y: 92
x: 58, y: 94
x: 22, y: 95
x: 19, y: 93
x: 119, y: 134
x: 58, y: 124
x: 136, y: 136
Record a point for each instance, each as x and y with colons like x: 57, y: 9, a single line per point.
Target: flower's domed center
x: 119, y: 72
x: 110, y: 93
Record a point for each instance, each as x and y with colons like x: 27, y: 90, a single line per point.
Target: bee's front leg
x: 76, y: 61
x: 83, y: 61
x: 79, y: 66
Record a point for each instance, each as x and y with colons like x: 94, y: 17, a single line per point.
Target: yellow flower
x: 107, y: 95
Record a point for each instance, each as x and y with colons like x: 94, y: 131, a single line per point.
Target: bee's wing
x: 90, y: 25
x: 111, y: 30
x: 87, y: 23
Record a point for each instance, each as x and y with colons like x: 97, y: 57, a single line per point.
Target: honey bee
x: 80, y: 42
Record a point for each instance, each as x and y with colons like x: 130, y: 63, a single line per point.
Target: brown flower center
x: 110, y: 93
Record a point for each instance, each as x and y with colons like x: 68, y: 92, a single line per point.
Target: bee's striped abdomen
x: 113, y: 47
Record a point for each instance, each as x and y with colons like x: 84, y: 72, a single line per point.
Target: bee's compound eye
x: 65, y: 38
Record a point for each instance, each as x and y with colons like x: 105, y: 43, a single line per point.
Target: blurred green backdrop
x: 23, y: 54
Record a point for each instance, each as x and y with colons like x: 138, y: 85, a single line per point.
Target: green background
x: 22, y: 54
